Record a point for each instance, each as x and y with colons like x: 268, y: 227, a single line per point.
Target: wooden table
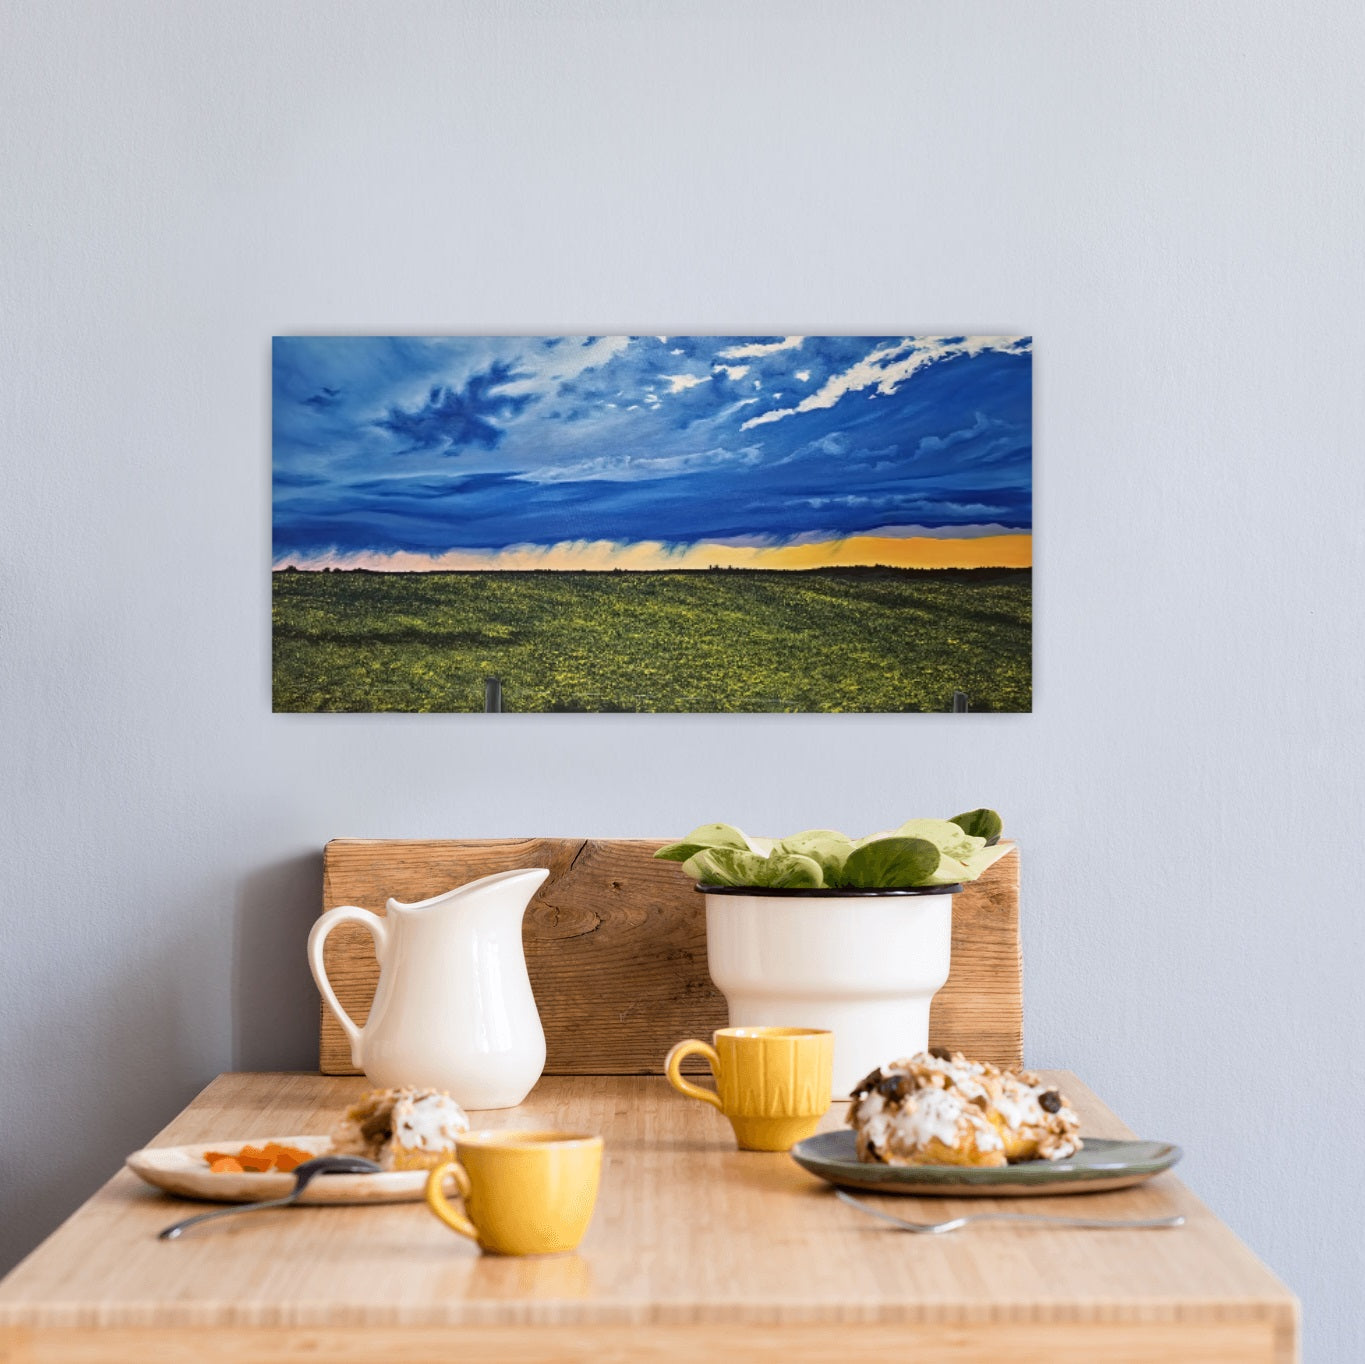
x: 696, y: 1251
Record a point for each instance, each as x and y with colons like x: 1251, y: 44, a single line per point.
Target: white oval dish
x: 180, y: 1170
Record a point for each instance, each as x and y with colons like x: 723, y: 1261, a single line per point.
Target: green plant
x: 921, y: 852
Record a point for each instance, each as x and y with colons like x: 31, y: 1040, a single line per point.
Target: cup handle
x: 343, y: 914
x: 438, y: 1203
x: 673, y: 1068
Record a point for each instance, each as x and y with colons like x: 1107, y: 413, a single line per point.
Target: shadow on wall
x: 141, y: 1042
x: 274, y: 1002
x: 131, y: 1057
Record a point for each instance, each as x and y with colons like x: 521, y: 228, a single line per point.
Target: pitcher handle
x: 343, y: 914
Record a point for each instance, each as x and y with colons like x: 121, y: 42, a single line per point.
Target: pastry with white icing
x: 401, y: 1129
x: 1033, y: 1119
x: 897, y: 1124
x: 940, y: 1109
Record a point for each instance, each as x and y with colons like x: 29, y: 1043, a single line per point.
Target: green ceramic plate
x: 1099, y: 1164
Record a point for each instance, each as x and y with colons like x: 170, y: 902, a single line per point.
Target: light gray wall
x: 1166, y: 195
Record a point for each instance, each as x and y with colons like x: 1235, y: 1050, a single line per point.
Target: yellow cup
x: 524, y: 1193
x: 772, y: 1083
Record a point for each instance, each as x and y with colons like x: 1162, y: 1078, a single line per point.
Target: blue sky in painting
x: 387, y: 444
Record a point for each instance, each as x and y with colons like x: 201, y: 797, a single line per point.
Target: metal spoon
x: 303, y: 1176
x: 953, y: 1223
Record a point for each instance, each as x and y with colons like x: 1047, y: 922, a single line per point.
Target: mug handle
x: 343, y: 914
x: 673, y: 1068
x: 437, y: 1202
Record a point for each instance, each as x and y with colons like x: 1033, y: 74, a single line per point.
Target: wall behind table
x: 1168, y: 197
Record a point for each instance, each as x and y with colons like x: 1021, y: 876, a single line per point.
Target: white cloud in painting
x: 729, y: 411
x: 900, y: 502
x: 756, y: 348
x: 637, y: 468
x: 969, y: 532
x: 803, y: 375
x: 835, y: 443
x: 884, y: 369
x: 678, y: 383
x: 892, y: 532
x: 569, y: 359
x: 733, y: 372
x: 980, y: 425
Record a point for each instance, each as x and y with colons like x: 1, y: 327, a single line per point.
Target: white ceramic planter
x: 865, y: 966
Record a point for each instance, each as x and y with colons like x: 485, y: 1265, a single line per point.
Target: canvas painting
x: 652, y: 523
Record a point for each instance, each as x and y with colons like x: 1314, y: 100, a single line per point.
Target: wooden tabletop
x: 696, y: 1249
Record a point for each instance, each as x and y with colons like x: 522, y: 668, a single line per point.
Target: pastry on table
x: 900, y: 1123
x: 401, y: 1129
x: 926, y: 1110
x: 1033, y: 1119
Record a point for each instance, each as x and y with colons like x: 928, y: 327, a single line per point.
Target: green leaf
x: 704, y: 836
x: 677, y: 852
x: 739, y: 867
x: 828, y: 848
x: 872, y: 838
x: 978, y: 862
x: 893, y: 863
x: 791, y: 871
x: 951, y: 870
x: 950, y: 839
x: 981, y: 823
x: 693, y: 867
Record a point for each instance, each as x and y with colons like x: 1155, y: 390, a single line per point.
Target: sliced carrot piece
x: 226, y: 1165
x: 273, y: 1155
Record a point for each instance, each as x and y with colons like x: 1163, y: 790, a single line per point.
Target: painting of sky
x: 412, y: 454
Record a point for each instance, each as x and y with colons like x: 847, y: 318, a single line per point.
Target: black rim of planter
x: 824, y: 892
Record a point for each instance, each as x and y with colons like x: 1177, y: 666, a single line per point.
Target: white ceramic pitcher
x: 454, y: 1008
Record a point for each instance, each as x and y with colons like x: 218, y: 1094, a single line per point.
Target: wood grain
x: 696, y: 1250
x: 616, y: 948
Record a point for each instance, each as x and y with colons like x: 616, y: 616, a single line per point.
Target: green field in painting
x: 843, y: 639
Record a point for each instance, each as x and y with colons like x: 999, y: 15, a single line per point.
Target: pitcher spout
x: 522, y: 883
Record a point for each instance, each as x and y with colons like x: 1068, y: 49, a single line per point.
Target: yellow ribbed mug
x: 524, y: 1192
x: 772, y: 1083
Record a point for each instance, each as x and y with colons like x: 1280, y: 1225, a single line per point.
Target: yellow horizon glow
x: 855, y: 551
